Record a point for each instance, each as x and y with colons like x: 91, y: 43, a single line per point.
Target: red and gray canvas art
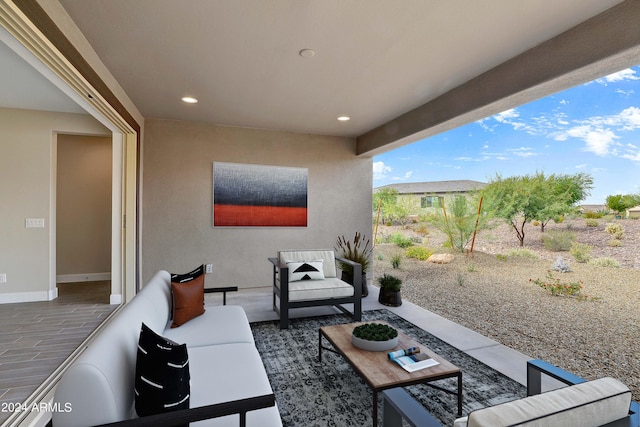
x: 246, y: 195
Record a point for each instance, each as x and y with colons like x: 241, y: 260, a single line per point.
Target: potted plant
x: 358, y: 250
x: 390, y: 290
x: 374, y: 337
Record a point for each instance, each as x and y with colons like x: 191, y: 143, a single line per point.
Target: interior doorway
x: 84, y: 214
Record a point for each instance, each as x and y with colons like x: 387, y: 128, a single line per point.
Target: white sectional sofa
x: 224, y: 366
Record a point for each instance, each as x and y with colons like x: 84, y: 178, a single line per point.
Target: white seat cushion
x: 220, y: 324
x: 593, y: 403
x: 309, y: 290
x: 226, y: 373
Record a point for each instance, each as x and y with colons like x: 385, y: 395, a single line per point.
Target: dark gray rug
x: 310, y: 393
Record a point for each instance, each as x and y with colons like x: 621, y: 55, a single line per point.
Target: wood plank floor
x: 36, y: 337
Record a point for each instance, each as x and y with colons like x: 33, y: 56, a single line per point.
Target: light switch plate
x: 34, y: 223
x: 208, y: 268
x: 3, y: 277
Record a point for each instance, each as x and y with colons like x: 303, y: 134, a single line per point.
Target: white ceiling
x: 374, y: 59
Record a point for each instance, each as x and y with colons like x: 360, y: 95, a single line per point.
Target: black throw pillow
x: 162, y: 374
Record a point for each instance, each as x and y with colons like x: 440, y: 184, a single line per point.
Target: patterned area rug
x: 310, y: 393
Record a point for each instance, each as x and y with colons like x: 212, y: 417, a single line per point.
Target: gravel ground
x: 594, y: 337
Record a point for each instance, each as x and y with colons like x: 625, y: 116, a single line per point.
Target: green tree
x: 521, y: 199
x: 385, y: 199
x: 620, y: 203
x: 460, y: 220
x: 557, y: 195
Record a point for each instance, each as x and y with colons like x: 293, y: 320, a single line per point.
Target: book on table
x: 412, y: 360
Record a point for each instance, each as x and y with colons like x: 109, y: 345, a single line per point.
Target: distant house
x: 430, y: 196
x: 592, y: 208
x: 633, y: 212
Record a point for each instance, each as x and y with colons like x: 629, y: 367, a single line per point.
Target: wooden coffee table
x: 375, y: 368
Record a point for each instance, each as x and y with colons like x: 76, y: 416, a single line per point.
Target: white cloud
x: 581, y: 166
x: 598, y: 140
x: 627, y: 74
x: 380, y: 170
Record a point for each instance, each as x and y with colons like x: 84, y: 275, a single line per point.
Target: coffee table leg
x: 319, y: 346
x: 460, y: 394
x: 375, y: 408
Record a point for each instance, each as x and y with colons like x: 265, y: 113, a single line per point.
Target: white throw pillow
x: 305, y: 270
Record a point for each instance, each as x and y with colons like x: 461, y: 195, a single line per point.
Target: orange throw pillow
x: 188, y: 300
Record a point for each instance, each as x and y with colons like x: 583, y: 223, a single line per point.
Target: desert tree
x: 521, y: 199
x: 459, y: 218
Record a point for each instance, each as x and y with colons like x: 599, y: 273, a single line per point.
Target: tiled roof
x: 434, y: 187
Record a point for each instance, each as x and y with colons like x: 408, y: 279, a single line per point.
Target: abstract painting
x: 247, y: 195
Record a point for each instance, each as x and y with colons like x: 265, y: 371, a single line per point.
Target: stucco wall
x: 177, y: 230
x: 27, y: 181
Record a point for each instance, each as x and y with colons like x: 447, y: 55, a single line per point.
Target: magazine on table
x: 411, y: 359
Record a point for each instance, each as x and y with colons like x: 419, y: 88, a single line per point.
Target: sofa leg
x: 284, y: 319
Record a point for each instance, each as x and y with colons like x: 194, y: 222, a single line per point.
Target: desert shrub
x: 535, y: 223
x: 422, y: 230
x: 561, y: 265
x: 523, y: 253
x: 395, y: 261
x: 401, y: 240
x: 419, y: 252
x: 581, y: 252
x: 590, y: 222
x: 556, y: 287
x: 502, y: 257
x: 593, y: 215
x: 605, y: 262
x: 558, y: 240
x: 615, y: 230
x: 614, y: 243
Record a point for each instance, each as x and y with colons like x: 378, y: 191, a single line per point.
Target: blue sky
x: 593, y: 128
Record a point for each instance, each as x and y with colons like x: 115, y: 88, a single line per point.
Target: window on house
x: 431, y: 202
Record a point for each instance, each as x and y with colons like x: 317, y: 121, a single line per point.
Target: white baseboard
x: 13, y: 297
x: 88, y: 277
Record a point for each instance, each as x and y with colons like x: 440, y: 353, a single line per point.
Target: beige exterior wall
x: 27, y: 182
x: 177, y: 230
x: 83, y: 206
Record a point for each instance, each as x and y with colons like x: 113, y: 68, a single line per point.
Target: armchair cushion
x: 327, y: 257
x: 305, y: 270
x: 592, y: 403
x: 310, y: 290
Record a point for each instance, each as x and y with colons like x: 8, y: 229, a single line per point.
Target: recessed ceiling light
x: 189, y: 99
x: 344, y: 118
x: 307, y: 53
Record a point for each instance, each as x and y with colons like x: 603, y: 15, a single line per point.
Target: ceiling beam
x: 599, y: 46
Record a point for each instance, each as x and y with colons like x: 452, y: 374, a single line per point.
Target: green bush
x: 395, y: 261
x: 581, y: 252
x: 593, y: 215
x: 502, y: 257
x: 590, y: 222
x: 605, y: 262
x: 614, y: 243
x: 558, y: 240
x: 523, y: 253
x: 401, y: 240
x: 419, y: 252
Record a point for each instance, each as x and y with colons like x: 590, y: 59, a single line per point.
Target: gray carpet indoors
x: 310, y: 393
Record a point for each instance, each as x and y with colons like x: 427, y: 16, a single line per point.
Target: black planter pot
x: 348, y: 277
x: 390, y: 298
